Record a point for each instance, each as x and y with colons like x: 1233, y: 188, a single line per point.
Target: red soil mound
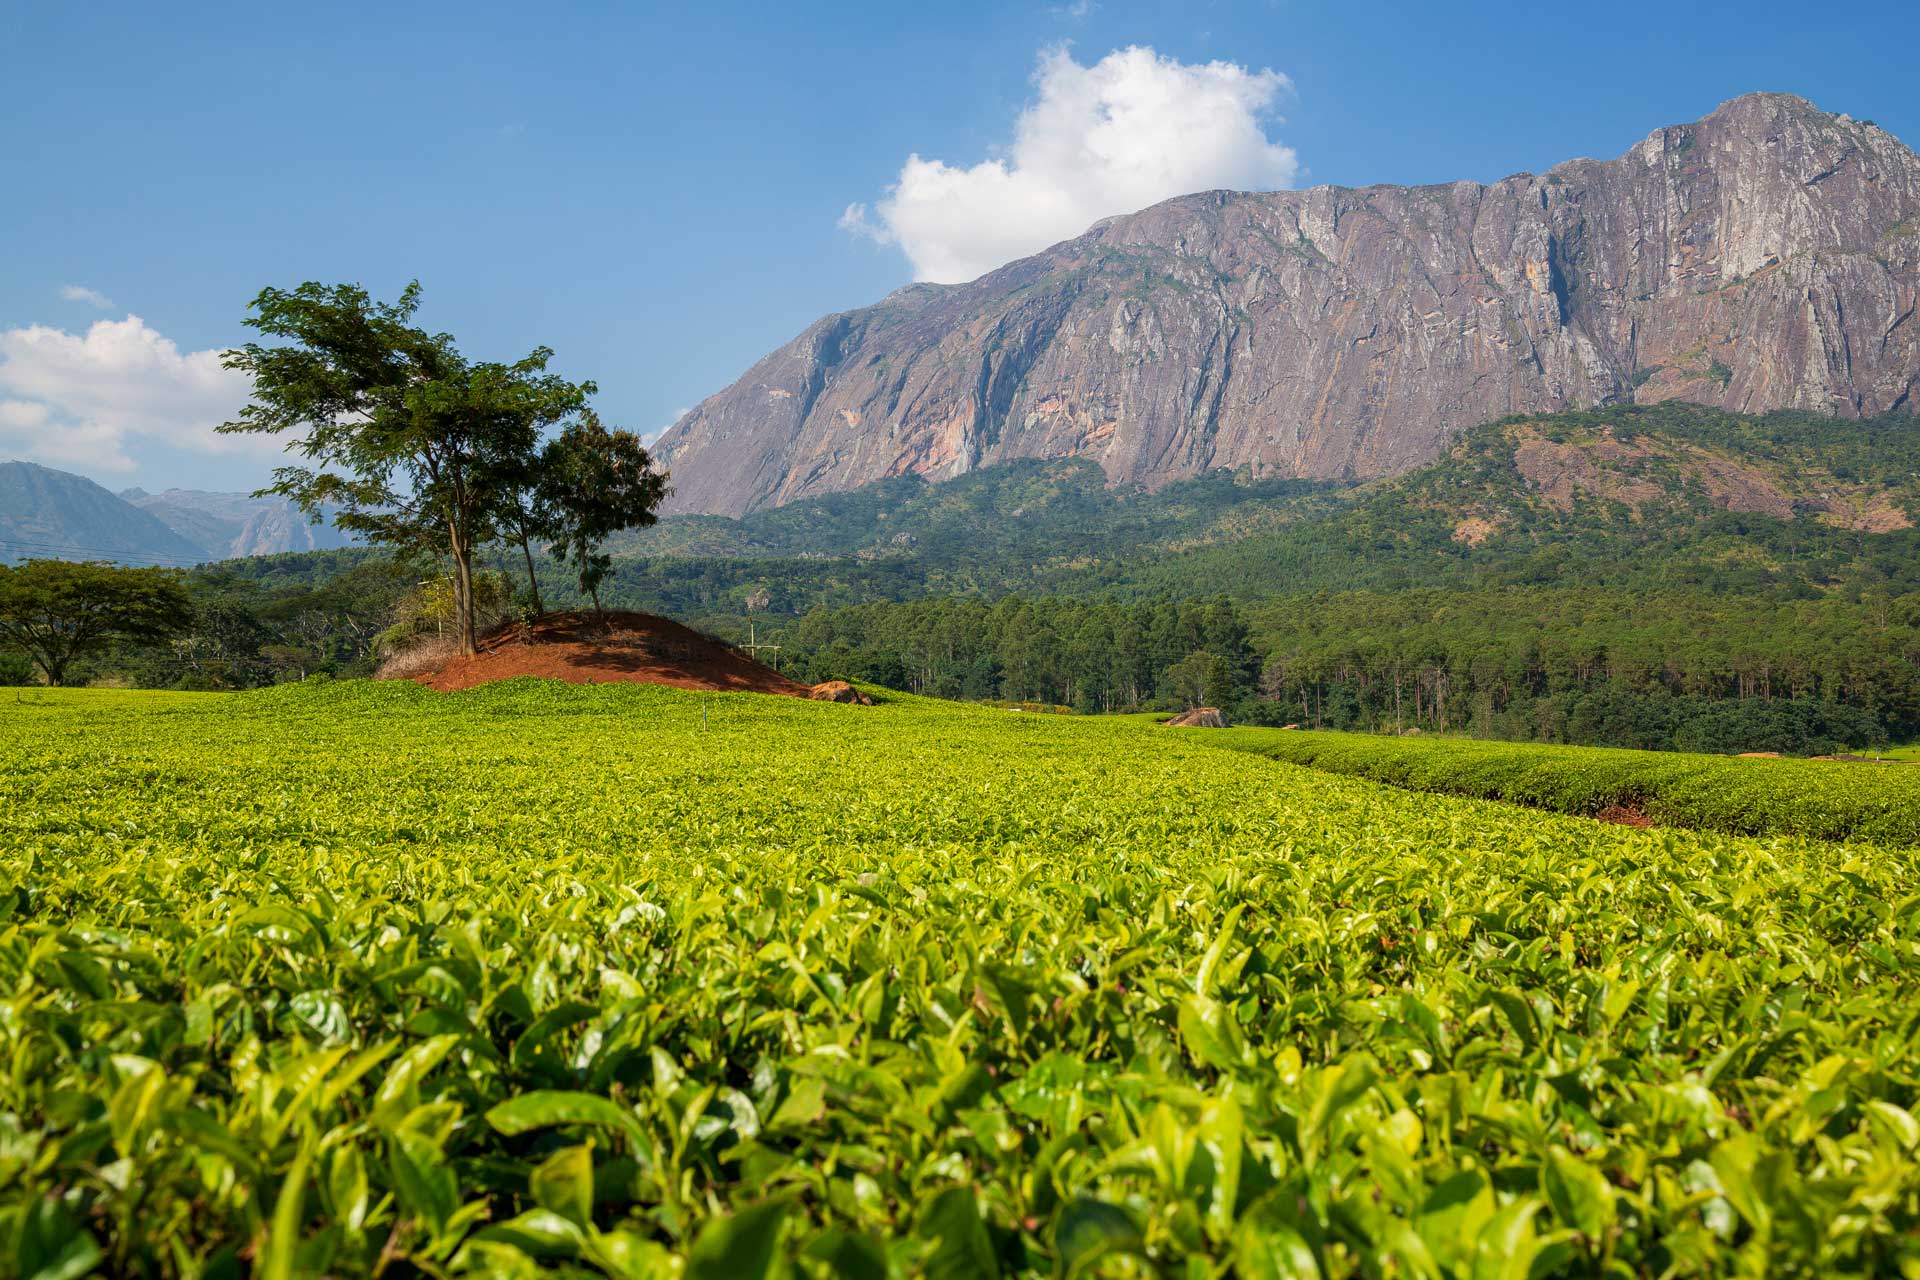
x: 585, y: 648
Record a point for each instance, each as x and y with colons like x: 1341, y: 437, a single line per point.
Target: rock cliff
x: 1767, y: 256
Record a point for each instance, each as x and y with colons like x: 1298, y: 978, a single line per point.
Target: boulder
x: 1198, y: 718
x: 839, y: 691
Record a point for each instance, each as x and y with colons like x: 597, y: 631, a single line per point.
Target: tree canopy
x: 412, y: 443
x: 57, y: 610
x: 592, y: 483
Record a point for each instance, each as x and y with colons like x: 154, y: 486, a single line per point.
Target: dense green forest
x: 1662, y: 672
x: 1654, y: 576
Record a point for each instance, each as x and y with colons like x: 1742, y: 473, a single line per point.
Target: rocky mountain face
x: 1765, y: 257
x: 55, y: 515
x: 231, y: 525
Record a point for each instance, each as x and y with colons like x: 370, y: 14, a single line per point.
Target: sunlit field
x: 343, y: 977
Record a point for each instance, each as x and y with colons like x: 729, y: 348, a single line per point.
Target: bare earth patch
x: 587, y: 648
x: 1474, y: 530
x: 1624, y: 815
x: 1560, y: 471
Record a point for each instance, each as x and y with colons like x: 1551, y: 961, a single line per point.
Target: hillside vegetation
x: 1611, y: 577
x: 345, y: 976
x: 1645, y: 498
x: 1664, y: 497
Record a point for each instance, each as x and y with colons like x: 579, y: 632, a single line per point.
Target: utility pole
x: 758, y: 600
x: 753, y: 647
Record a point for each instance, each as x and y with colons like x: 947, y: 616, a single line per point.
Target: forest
x: 1674, y: 671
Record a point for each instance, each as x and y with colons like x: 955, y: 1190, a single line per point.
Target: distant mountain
x: 227, y: 526
x: 1765, y: 257
x: 48, y: 514
x: 54, y: 515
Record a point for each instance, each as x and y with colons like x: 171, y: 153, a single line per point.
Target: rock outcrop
x: 839, y: 691
x: 1198, y: 718
x: 1765, y: 257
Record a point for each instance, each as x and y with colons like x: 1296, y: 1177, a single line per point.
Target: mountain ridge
x: 1762, y: 257
x: 46, y: 513
x: 231, y: 525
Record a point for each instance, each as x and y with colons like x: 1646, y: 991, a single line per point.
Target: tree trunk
x: 463, y: 595
x: 533, y: 583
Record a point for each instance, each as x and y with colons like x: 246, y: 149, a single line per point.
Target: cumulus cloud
x: 1132, y: 129
x: 92, y: 297
x: 87, y: 399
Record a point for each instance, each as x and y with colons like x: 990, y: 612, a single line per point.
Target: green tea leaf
x: 739, y: 1247
x: 961, y: 1248
x: 1088, y: 1230
x: 1578, y: 1193
x: 563, y: 1183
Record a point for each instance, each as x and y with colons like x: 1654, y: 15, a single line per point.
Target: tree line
x: 1685, y: 670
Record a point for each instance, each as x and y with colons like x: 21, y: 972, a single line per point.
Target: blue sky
x: 660, y: 192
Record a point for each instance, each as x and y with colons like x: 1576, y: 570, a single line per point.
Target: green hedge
x: 1825, y: 799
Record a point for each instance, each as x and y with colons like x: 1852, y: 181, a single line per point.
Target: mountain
x: 1765, y: 257
x: 48, y: 514
x: 230, y: 525
x: 53, y: 515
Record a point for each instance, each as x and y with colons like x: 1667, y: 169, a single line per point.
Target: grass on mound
x: 350, y: 977
x: 1829, y: 800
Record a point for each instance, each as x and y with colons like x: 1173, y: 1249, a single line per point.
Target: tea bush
x: 1829, y: 800
x: 357, y: 979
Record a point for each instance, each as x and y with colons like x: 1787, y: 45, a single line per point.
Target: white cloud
x: 1130, y: 130
x: 92, y: 297
x: 86, y: 399
x: 649, y: 438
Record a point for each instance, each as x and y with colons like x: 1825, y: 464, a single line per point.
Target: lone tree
x: 58, y: 611
x: 427, y: 448
x: 592, y: 483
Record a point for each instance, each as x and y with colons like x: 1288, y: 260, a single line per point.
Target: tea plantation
x: 1867, y: 799
x: 356, y: 979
